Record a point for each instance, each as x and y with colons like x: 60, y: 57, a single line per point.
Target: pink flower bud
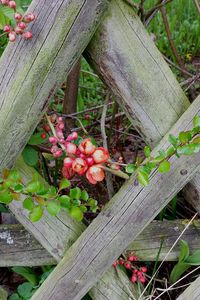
x: 82, y: 155
x: 7, y: 28
x: 22, y: 25
x: 12, y: 4
x: 58, y: 153
x: 29, y: 18
x: 73, y: 136
x: 134, y: 278
x: 54, y: 149
x: 62, y: 141
x: 89, y: 161
x: 59, y: 134
x: 68, y: 162
x: 12, y: 36
x: 70, y: 148
x: 27, y: 35
x: 67, y: 172
x: 5, y: 2
x: 53, y: 139
x: 18, y: 16
x: 61, y: 126
x: 18, y: 30
x: 60, y: 120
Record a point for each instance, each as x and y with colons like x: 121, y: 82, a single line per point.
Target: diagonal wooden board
x: 123, y: 219
x: 57, y: 223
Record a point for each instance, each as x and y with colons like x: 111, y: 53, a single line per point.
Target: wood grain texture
x: 192, y: 292
x: 122, y: 220
x: 19, y: 248
x: 31, y: 71
x: 127, y: 60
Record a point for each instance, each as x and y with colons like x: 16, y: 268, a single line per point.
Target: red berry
x: 115, y: 264
x: 46, y: 127
x: 12, y: 36
x: 18, y: 16
x: 7, y: 28
x: 121, y: 261
x: 139, y: 273
x: 87, y: 117
x: 22, y: 25
x: 143, y: 269
x: 72, y: 136
x: 12, y: 4
x: 43, y: 135
x: 127, y: 265
x: 135, y: 271
x: 134, y: 278
x: 27, y: 35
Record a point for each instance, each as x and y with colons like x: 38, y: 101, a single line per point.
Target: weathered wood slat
x: 124, y: 218
x: 31, y: 71
x: 192, y: 292
x: 125, y: 57
x: 127, y: 60
x: 20, y: 248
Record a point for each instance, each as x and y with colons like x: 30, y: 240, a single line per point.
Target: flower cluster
x: 81, y: 157
x: 20, y: 23
x: 138, y: 274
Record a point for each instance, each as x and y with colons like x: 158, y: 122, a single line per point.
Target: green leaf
x: 36, y: 139
x: 27, y: 273
x: 162, y: 153
x: 178, y: 270
x: 92, y: 202
x: 147, y: 151
x: 25, y: 290
x: 75, y: 193
x: 36, y: 187
x: 170, y: 151
x: 30, y: 156
x: 3, y: 208
x: 83, y: 208
x: 18, y: 188
x: 185, y: 137
x: 188, y: 149
x: 65, y: 201
x: 130, y: 168
x: 64, y: 184
x: 196, y: 121
x: 36, y: 214
x: 143, y: 177
x: 14, y: 297
x: 164, y: 166
x: 194, y: 259
x: 53, y: 208
x: 84, y: 196
x: 5, y: 196
x: 76, y: 213
x: 14, y: 175
x: 184, y: 251
x: 28, y: 203
x: 173, y: 140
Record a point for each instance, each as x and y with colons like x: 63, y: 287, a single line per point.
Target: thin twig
x: 170, y: 38
x: 196, y: 2
x: 109, y: 182
x: 154, y: 9
x: 185, y: 72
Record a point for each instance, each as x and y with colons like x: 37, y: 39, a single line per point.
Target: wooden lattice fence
x: 125, y: 57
